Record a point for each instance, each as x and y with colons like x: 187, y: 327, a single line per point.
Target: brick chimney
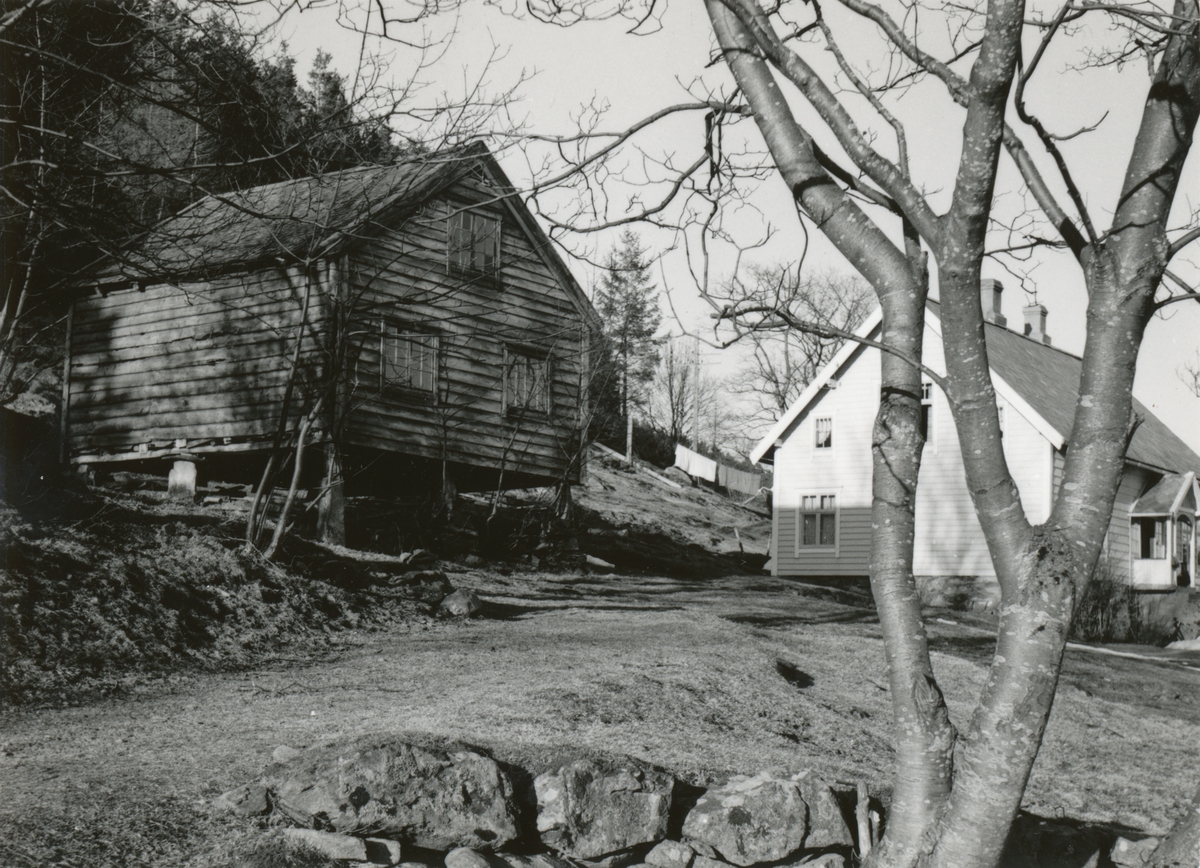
x: 989, y: 295
x: 1035, y: 323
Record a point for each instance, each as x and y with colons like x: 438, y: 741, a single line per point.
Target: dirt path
x: 703, y: 678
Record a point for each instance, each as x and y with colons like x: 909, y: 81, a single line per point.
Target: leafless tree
x: 672, y: 391
x: 785, y: 360
x: 1189, y: 373
x: 115, y: 115
x: 844, y: 153
x: 686, y: 405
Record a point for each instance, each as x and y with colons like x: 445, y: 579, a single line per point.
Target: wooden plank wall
x: 204, y: 361
x: 1135, y: 482
x: 852, y: 557
x: 403, y: 277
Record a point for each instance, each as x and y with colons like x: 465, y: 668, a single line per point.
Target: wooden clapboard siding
x: 206, y: 359
x: 851, y: 557
x: 844, y: 471
x: 210, y: 358
x: 403, y: 279
x: 949, y: 539
x: 1135, y: 482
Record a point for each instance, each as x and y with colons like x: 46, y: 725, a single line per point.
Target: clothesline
x: 701, y: 467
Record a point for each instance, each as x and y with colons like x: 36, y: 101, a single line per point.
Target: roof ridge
x: 1006, y: 330
x: 469, y: 150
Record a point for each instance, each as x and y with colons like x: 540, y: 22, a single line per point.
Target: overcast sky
x: 599, y: 62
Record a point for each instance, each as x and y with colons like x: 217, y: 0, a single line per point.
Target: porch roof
x: 1174, y: 493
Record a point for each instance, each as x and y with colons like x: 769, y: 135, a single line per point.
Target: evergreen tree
x: 627, y: 302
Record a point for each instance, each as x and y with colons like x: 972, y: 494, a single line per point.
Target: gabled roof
x: 1172, y: 494
x: 814, y: 388
x: 314, y: 217
x: 1046, y: 380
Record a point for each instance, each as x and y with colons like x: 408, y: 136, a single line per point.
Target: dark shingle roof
x: 1159, y: 499
x: 1048, y: 378
x: 292, y: 220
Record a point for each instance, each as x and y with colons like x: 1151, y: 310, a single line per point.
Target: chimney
x: 1035, y: 323
x: 989, y: 295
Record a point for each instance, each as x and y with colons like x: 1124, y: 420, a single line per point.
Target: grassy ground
x: 157, y: 668
x: 703, y: 677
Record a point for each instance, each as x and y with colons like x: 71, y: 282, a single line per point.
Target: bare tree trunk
x: 1042, y: 570
x: 331, y: 515
x: 255, y: 520
x: 924, y: 736
x: 297, y: 469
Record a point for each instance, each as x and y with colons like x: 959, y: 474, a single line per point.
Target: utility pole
x: 629, y: 439
x: 696, y: 399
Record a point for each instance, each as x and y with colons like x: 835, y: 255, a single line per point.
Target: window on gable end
x: 473, y: 243
x: 927, y: 411
x: 823, y: 426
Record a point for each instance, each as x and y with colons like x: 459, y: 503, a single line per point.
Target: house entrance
x: 1185, y: 549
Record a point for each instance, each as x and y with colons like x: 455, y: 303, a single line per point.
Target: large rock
x: 328, y: 844
x: 465, y: 857
x: 537, y: 860
x: 249, y: 800
x: 374, y: 786
x: 1133, y: 854
x: 749, y: 820
x: 589, y: 810
x: 671, y: 854
x: 461, y: 604
x: 345, y: 848
x: 827, y: 826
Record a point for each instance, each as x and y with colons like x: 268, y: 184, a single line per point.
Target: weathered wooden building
x: 417, y: 312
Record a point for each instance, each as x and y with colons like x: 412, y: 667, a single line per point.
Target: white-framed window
x: 927, y: 411
x: 473, y: 243
x: 823, y: 432
x: 526, y: 382
x: 817, y: 522
x: 408, y: 360
x: 1149, y: 538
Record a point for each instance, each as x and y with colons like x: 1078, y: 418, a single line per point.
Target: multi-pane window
x: 409, y: 360
x: 926, y: 411
x: 824, y: 432
x: 526, y: 382
x: 474, y: 243
x: 1150, y: 537
x: 818, y: 521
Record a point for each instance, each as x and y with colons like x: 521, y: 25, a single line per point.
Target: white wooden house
x: 821, y: 452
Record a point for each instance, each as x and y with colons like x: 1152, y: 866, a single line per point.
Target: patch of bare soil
x: 703, y: 677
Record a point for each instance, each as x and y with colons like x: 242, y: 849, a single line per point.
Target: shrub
x: 1110, y: 610
x: 1102, y: 611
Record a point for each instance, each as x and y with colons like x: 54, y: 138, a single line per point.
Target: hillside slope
x: 103, y: 588
x: 695, y: 515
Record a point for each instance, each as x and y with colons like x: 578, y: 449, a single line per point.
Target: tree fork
x: 924, y: 736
